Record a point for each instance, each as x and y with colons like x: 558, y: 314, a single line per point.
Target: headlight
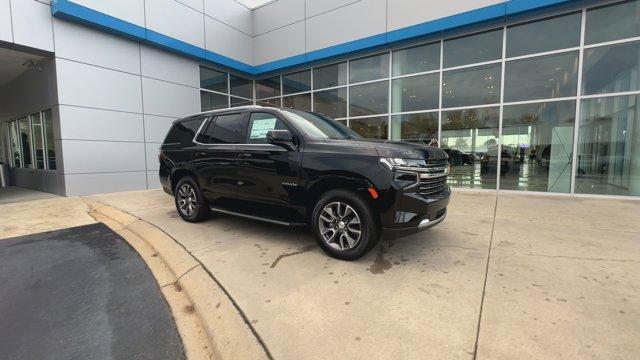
x: 395, y: 163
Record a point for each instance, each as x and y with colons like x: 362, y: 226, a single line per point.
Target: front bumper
x: 424, y: 224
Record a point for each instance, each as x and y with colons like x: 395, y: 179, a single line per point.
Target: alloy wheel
x: 340, y: 226
x: 187, y: 201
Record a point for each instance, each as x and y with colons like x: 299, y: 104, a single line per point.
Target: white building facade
x: 524, y: 95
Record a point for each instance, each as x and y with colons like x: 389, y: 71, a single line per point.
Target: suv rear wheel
x: 189, y: 200
x: 344, y: 225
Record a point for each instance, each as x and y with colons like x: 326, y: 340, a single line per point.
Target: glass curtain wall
x: 220, y: 90
x: 31, y: 141
x: 547, y: 104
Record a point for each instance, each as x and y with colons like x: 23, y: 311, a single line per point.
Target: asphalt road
x: 81, y: 293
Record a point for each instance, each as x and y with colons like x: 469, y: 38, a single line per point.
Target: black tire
x: 344, y: 233
x: 199, y: 209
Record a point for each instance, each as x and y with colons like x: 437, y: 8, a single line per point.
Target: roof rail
x: 230, y: 109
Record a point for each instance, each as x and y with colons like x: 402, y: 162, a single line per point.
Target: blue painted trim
x: 66, y: 9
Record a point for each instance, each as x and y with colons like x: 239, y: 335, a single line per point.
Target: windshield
x: 320, y: 126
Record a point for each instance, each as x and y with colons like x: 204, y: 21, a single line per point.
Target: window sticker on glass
x: 260, y: 127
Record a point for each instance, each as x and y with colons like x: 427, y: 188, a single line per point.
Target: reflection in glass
x: 559, y: 32
x: 240, y: 86
x: 275, y: 102
x: 25, y: 140
x: 613, y: 22
x: 297, y: 82
x: 47, y: 118
x: 369, y: 99
x: 470, y: 138
x: 415, y: 93
x: 473, y: 49
x: 416, y: 59
x: 612, y: 68
x: 473, y: 86
x: 415, y: 128
x: 235, y: 102
x: 543, y: 77
x: 213, y: 101
x: 537, y: 146
x: 332, y: 103
x: 609, y: 146
x: 213, y: 80
x: 369, y: 68
x: 38, y: 140
x: 371, y: 128
x: 269, y: 87
x: 298, y: 102
x: 14, y: 144
x: 330, y: 76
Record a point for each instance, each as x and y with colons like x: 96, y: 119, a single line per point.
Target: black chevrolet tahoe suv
x: 296, y: 168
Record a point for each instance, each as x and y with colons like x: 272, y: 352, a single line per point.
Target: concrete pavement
x: 503, y: 277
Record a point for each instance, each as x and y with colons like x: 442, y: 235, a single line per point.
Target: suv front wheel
x: 189, y: 200
x: 344, y: 225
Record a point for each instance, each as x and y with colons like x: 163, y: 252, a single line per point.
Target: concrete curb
x: 218, y: 330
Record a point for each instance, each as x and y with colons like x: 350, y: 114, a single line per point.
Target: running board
x: 254, y: 217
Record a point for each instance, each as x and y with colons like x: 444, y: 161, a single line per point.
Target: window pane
x: 371, y: 128
x: 369, y: 68
x: 415, y: 93
x: 613, y: 22
x: 296, y: 82
x: 268, y: 87
x: 611, y: 69
x: 473, y: 86
x: 332, y: 103
x: 416, y: 128
x: 38, y: 140
x: 542, y: 77
x: 537, y: 146
x: 472, y: 49
x: 212, y: 101
x: 184, y: 131
x: 213, y: 80
x: 470, y: 138
x: 224, y: 129
x: 275, y: 102
x: 260, y: 124
x: 240, y: 86
x: 25, y: 141
x: 545, y: 35
x: 298, y: 102
x: 235, y: 102
x: 608, y: 146
x: 14, y: 143
x: 369, y: 99
x: 329, y: 76
x: 416, y: 59
x: 47, y: 117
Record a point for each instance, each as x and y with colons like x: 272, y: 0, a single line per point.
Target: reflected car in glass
x: 297, y: 168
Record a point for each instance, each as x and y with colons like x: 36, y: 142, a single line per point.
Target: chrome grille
x: 432, y: 186
x: 431, y: 182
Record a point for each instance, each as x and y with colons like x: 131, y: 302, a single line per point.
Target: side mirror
x: 280, y: 138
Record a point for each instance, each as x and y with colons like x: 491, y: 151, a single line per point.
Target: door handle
x: 244, y: 156
x: 201, y: 153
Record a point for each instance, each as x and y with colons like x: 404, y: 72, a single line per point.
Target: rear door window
x: 184, y: 131
x: 224, y: 129
x: 260, y: 124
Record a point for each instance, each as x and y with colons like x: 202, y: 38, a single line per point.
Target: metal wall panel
x: 276, y: 15
x: 32, y: 24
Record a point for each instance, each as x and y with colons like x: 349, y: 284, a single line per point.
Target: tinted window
x: 415, y: 93
x: 611, y: 69
x: 329, y: 76
x: 332, y: 103
x: 369, y: 99
x: 298, y: 102
x: 545, y: 35
x: 213, y: 101
x: 296, y: 82
x: 183, y: 131
x: 371, y: 128
x: 472, y: 86
x: 240, y: 86
x: 613, y: 22
x: 473, y: 49
x: 268, y: 87
x: 542, y: 77
x: 260, y: 124
x: 416, y: 128
x: 213, y: 80
x: 369, y: 68
x: 416, y: 59
x: 224, y: 129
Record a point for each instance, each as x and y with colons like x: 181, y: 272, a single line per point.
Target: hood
x: 395, y: 149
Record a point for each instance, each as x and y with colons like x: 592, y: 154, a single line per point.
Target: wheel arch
x: 350, y: 182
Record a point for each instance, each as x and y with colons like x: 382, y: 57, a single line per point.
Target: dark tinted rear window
x: 184, y: 131
x: 224, y: 129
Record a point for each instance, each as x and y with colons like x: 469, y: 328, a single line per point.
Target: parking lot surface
x: 508, y: 276
x: 81, y: 293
